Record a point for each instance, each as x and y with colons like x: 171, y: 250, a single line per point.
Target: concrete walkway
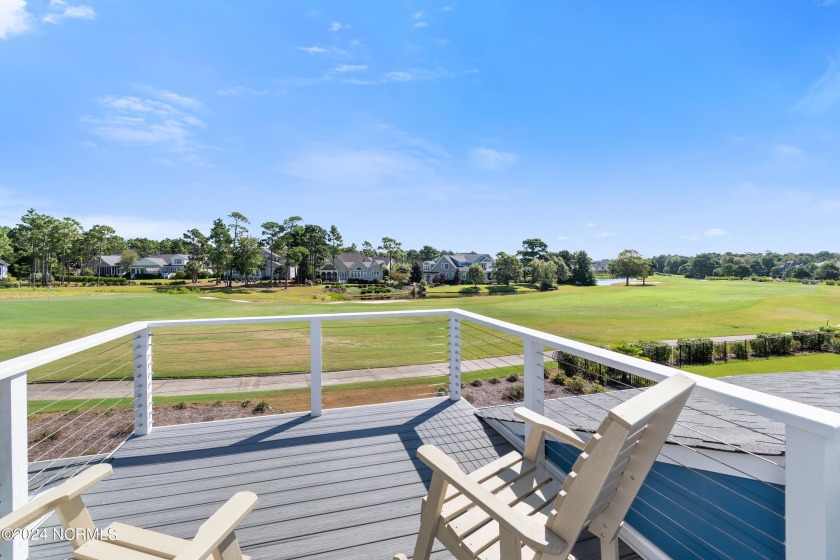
x: 245, y: 383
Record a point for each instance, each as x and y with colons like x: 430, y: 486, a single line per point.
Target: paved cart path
x: 238, y: 384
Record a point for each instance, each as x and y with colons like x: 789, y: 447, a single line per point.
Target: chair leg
x: 510, y: 546
x: 429, y: 517
x: 609, y: 549
x: 229, y: 549
x: 74, y: 515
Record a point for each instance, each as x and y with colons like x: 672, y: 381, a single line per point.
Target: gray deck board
x: 346, y: 485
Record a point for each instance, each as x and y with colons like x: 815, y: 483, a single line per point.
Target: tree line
x: 536, y: 264
x: 46, y: 249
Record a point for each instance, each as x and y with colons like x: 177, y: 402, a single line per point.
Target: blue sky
x: 668, y: 127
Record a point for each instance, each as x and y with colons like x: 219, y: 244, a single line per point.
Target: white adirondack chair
x: 215, y: 539
x: 513, y: 509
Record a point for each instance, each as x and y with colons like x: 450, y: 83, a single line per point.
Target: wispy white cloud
x: 604, y: 235
x: 786, y: 150
x: 166, y: 121
x: 823, y: 93
x: 715, y: 232
x: 345, y: 68
x: 337, y: 26
x: 14, y: 18
x: 447, y: 9
x: 354, y: 167
x: 60, y: 9
x: 562, y: 238
x: 591, y: 224
x: 331, y: 51
x: 421, y: 24
x: 418, y: 15
x: 489, y: 159
x: 404, y: 76
x: 414, y: 144
x: 239, y: 90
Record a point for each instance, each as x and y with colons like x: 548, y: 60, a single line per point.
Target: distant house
x: 602, y: 266
x: 448, y: 264
x: 159, y: 265
x: 273, y: 264
x: 4, y: 269
x: 347, y: 267
x: 107, y: 265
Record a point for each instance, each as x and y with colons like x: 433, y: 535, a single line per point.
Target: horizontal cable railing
x: 745, y: 519
x: 79, y: 411
x: 794, y: 490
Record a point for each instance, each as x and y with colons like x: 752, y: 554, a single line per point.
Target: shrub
x: 720, y: 352
x: 558, y: 379
x: 470, y: 290
x: 476, y: 382
x: 512, y: 378
x: 180, y: 406
x: 245, y: 404
x: 597, y: 388
x: 261, y: 407
x: 695, y: 351
x: 494, y: 381
x: 442, y: 391
x: 830, y: 282
x: 772, y: 344
x: 576, y: 385
x: 568, y: 363
x: 808, y: 340
x: 740, y: 350
x: 656, y: 350
x: 516, y: 392
x: 217, y: 403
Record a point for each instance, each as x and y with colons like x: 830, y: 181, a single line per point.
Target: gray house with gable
x: 448, y: 264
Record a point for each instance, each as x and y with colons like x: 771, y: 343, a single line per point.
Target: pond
x: 611, y: 281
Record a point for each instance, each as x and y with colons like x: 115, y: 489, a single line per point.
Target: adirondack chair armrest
x: 534, y: 534
x: 551, y: 427
x: 51, y: 499
x: 219, y: 526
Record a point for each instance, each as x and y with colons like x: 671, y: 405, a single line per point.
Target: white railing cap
x: 47, y: 355
x: 819, y: 421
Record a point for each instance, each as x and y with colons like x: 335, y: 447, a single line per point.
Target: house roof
x: 705, y: 423
x: 150, y: 262
x: 4, y: 262
x: 107, y: 260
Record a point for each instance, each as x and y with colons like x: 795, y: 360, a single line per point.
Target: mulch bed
x: 55, y: 435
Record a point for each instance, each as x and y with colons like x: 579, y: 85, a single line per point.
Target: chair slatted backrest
x: 608, y: 473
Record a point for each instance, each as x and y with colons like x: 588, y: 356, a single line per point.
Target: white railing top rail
x: 809, y: 418
x: 824, y: 423
x: 43, y: 357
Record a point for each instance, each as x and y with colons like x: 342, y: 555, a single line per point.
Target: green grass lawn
x: 674, y: 308
x: 806, y: 362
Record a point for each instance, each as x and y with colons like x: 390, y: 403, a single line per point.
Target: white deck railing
x: 812, y: 473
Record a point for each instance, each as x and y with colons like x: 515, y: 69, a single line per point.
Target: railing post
x: 812, y: 495
x: 315, y: 357
x: 14, y: 462
x: 534, y: 376
x: 143, y: 382
x: 454, y: 358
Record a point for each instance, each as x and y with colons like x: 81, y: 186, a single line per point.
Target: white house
x: 348, y: 267
x: 4, y: 269
x: 162, y: 265
x: 448, y: 264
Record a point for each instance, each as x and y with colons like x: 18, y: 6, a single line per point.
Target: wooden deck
x: 346, y: 485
